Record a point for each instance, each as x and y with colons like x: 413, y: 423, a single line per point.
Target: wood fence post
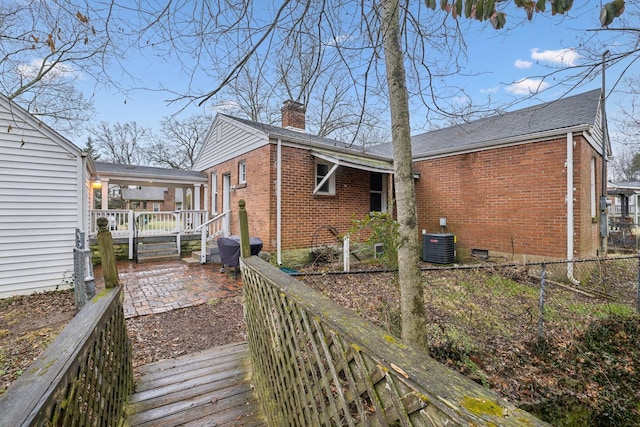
x: 107, y: 257
x: 245, y: 246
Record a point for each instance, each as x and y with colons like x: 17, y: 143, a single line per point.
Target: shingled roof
x: 288, y: 134
x: 575, y: 113
x: 144, y: 175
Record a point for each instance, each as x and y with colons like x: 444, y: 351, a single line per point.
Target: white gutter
x: 570, y: 222
x: 279, y: 202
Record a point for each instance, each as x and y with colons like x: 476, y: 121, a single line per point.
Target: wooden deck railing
x: 316, y: 363
x: 83, y: 378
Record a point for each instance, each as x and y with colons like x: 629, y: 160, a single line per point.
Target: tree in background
x: 179, y: 143
x: 386, y: 48
x: 45, y: 46
x: 122, y: 143
x: 91, y: 149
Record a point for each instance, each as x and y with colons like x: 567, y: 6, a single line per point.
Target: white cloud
x: 338, y: 40
x: 490, y: 90
x: 522, y: 64
x: 565, y: 57
x: 527, y: 87
x: 59, y: 71
x: 226, y: 106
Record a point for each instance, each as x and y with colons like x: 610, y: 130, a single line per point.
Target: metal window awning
x: 355, y: 162
x: 350, y: 161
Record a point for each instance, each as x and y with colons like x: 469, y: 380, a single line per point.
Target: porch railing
x: 84, y: 377
x: 216, y: 226
x: 316, y: 363
x: 149, y: 223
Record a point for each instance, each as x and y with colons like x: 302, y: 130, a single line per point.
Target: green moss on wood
x: 482, y: 406
x: 392, y: 340
x: 100, y: 295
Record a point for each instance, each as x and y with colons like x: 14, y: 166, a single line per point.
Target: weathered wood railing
x: 83, y: 378
x: 316, y: 363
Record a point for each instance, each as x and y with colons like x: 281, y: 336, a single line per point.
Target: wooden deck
x: 208, y: 388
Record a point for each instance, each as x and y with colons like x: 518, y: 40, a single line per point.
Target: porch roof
x: 147, y: 175
x: 623, y: 188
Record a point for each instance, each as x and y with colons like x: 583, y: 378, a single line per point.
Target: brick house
x: 301, y: 190
x: 503, y: 183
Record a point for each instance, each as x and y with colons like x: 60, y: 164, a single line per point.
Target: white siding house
x: 44, y: 187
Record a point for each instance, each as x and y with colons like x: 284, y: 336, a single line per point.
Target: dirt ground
x: 485, y: 327
x: 29, y: 323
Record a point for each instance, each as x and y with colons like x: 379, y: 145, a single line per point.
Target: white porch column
x: 92, y: 197
x: 205, y: 206
x: 105, y: 193
x: 196, y: 197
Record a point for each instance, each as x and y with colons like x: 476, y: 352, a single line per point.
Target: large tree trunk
x: 410, y: 278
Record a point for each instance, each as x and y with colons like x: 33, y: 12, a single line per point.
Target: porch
x: 169, y: 227
x: 311, y: 362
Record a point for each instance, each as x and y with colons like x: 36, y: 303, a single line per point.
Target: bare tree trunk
x: 409, y: 276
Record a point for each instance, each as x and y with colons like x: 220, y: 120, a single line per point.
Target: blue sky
x: 504, y: 65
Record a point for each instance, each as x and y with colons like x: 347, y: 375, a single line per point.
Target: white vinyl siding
x: 41, y: 204
x: 226, y: 140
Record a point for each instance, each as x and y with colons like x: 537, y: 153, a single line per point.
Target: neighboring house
x: 519, y: 185
x: 149, y: 199
x: 44, y: 198
x: 149, y: 188
x: 624, y: 201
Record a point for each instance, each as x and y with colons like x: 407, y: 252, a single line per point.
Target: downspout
x: 570, y: 222
x: 604, y: 222
x: 86, y: 192
x: 279, y: 202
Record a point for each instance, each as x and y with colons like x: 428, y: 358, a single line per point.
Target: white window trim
x: 156, y: 207
x: 383, y: 194
x: 594, y: 209
x: 242, y: 172
x: 214, y: 193
x: 330, y: 177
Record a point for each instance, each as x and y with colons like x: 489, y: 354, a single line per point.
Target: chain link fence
x: 551, y: 336
x: 568, y: 292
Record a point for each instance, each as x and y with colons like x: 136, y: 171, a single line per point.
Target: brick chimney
x: 293, y: 115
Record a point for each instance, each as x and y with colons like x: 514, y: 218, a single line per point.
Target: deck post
x: 107, y: 257
x: 245, y: 246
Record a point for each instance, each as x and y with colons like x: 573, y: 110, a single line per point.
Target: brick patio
x: 157, y: 287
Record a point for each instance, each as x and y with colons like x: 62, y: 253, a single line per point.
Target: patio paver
x: 151, y: 288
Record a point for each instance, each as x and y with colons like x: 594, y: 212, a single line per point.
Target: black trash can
x: 229, y: 248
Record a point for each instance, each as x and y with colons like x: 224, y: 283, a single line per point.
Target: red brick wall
x: 256, y: 192
x: 587, y: 240
x: 508, y: 200
x: 303, y: 215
